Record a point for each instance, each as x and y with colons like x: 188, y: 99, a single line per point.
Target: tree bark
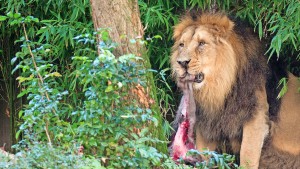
x: 123, y: 18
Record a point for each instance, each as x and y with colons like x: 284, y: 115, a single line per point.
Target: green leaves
x: 23, y: 79
x: 2, y: 18
x: 16, y: 19
x: 109, y: 108
x: 41, y: 156
x: 278, y: 20
x: 260, y: 29
x: 90, y: 103
x: 283, y: 85
x: 109, y: 89
x: 215, y: 160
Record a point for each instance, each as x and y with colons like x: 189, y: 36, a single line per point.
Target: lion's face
x: 202, y: 52
x: 197, y: 49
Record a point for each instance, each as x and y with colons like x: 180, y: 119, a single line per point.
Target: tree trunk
x: 122, y: 17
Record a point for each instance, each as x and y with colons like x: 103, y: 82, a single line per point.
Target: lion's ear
x: 177, y: 32
x: 219, y: 23
x: 223, y: 27
x: 186, y: 21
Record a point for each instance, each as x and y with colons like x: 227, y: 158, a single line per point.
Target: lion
x: 235, y: 90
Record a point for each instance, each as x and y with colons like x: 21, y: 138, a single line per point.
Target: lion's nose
x: 184, y: 64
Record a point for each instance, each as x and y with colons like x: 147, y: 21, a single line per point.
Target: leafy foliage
x: 58, y: 22
x: 107, y: 122
x: 279, y: 19
x: 41, y: 156
x: 79, y: 100
x: 215, y: 160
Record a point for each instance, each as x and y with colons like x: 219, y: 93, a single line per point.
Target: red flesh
x: 181, y: 144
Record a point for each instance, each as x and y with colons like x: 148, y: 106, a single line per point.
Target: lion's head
x: 207, y: 52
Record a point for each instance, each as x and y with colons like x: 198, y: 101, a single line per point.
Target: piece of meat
x: 185, y: 119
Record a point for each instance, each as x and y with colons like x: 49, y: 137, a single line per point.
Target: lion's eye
x: 202, y: 43
x: 181, y: 45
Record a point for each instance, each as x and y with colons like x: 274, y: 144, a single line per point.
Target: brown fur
x: 287, y: 130
x: 233, y: 99
x: 274, y: 158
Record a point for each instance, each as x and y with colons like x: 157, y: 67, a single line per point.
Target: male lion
x: 235, y: 90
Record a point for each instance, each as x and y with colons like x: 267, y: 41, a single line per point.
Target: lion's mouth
x: 198, y: 78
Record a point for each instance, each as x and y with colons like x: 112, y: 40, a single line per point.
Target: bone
x: 191, y: 112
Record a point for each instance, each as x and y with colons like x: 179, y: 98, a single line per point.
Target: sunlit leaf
x: 109, y: 89
x: 2, y: 18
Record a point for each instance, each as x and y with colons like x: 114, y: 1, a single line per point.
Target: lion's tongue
x: 187, y: 78
x: 190, y: 78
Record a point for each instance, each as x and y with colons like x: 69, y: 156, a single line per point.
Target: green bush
x: 42, y: 156
x: 95, y: 109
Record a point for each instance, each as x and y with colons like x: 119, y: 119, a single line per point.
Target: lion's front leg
x: 202, y: 143
x: 254, y: 133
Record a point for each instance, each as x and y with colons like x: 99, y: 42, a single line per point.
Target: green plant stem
x: 33, y: 61
x: 47, y: 133
x: 41, y: 82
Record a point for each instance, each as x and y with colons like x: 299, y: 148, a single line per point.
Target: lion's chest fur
x: 225, y: 127
x: 239, y: 107
x: 226, y: 124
